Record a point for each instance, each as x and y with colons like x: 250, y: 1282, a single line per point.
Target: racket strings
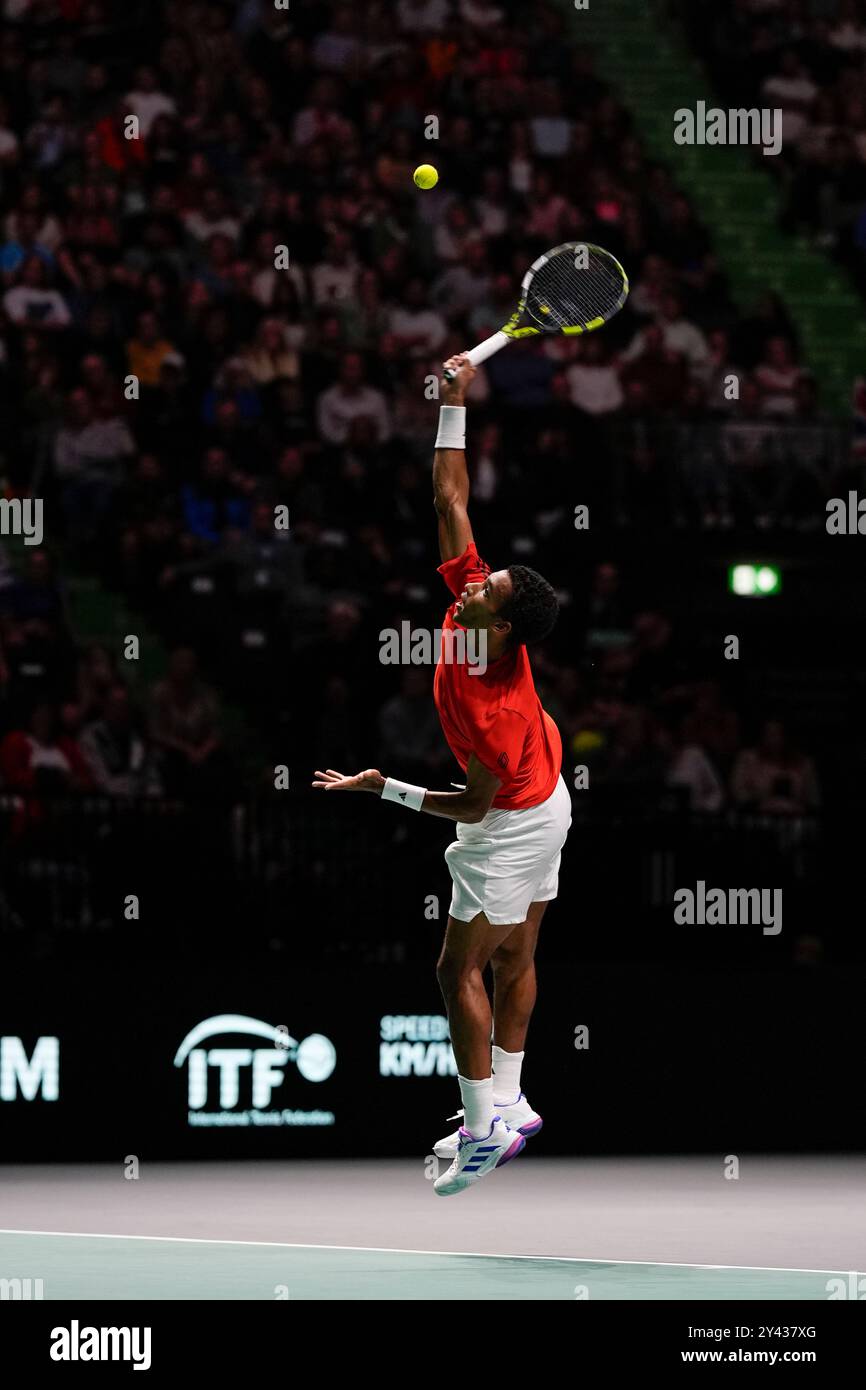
x: 563, y: 295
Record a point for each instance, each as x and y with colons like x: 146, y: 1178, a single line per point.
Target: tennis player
x: 513, y: 814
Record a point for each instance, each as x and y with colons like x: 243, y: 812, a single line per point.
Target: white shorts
x: 509, y: 860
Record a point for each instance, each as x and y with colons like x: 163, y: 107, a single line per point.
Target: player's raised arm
x: 450, y: 478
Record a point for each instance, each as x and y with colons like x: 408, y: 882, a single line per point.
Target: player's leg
x: 505, y: 874
x: 514, y: 984
x: 484, y: 1142
x: 466, y: 952
x: 514, y: 991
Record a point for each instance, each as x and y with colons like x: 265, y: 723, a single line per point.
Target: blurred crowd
x: 72, y: 724
x: 808, y: 58
x: 258, y: 259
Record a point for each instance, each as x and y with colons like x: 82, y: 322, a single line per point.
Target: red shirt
x: 495, y: 713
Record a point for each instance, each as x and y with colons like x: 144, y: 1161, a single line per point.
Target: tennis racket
x: 575, y: 288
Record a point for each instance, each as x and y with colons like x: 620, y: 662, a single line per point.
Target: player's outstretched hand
x: 369, y: 781
x: 452, y: 392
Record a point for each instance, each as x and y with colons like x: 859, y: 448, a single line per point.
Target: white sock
x: 506, y: 1076
x: 477, y: 1097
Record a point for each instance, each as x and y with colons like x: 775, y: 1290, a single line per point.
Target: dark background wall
x: 678, y: 1059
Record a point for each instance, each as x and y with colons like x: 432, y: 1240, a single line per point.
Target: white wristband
x: 452, y: 427
x: 403, y: 793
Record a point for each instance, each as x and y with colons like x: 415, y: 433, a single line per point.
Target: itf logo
x: 29, y: 1078
x: 258, y: 1070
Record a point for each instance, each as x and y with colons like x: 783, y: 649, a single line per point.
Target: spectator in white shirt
x: 321, y: 120
x: 266, y: 277
x: 520, y: 166
x: 549, y: 131
x: 30, y: 304
x: 335, y: 278
x: 419, y: 330
x: 212, y: 218
x: 777, y: 377
x: 92, y: 442
x: 593, y: 382
x: 147, y: 102
x: 480, y: 13
x: 337, y: 48
x: 491, y: 208
x: 848, y: 32
x: 678, y: 335
x: 455, y: 234
x: 692, y: 770
x: 350, y: 399
x: 791, y: 89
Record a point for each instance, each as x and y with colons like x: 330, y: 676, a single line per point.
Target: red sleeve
x: 464, y: 569
x: 498, y: 743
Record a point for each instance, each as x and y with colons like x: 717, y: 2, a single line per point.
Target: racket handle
x: 480, y: 354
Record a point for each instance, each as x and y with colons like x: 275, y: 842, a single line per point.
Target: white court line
x: 397, y: 1250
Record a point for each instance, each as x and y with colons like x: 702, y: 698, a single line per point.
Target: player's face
x: 479, y: 603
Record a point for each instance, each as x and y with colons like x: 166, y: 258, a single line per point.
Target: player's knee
x: 510, y: 964
x: 453, y: 972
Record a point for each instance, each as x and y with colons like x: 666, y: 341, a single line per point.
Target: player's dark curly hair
x: 533, y: 607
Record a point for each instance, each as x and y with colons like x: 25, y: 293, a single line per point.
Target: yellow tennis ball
x: 426, y: 176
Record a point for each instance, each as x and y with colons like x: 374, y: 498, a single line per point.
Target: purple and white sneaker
x: 475, y: 1158
x: 519, y: 1116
